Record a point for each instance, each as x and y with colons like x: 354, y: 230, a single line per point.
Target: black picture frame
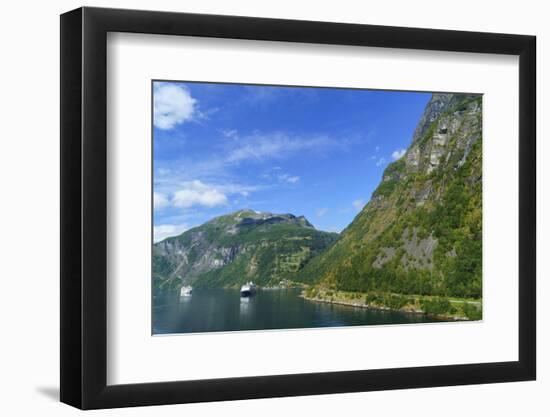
x: 84, y: 207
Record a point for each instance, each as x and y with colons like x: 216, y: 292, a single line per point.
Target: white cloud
x: 177, y: 192
x: 321, y: 211
x: 197, y: 193
x: 259, y: 147
x: 230, y: 133
x: 160, y: 201
x: 289, y: 179
x: 230, y: 188
x: 398, y: 153
x: 358, y: 204
x: 172, y: 105
x: 163, y: 231
x: 381, y: 161
x: 254, y: 148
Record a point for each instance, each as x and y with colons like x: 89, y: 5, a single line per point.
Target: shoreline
x: 360, y: 304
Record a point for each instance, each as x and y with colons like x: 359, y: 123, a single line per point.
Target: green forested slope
x: 421, y: 231
x: 232, y: 249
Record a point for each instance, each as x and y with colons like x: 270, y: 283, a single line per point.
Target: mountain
x: 420, y: 233
x: 231, y: 249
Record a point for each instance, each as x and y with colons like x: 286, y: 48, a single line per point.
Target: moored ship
x: 186, y: 290
x: 248, y: 289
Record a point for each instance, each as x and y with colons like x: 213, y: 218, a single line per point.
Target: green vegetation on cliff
x: 421, y: 231
x: 232, y: 249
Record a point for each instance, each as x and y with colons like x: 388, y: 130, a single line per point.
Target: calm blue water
x: 224, y: 310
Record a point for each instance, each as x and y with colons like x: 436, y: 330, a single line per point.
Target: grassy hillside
x: 421, y: 231
x: 232, y: 249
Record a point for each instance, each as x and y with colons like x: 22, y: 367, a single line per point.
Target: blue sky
x: 317, y: 152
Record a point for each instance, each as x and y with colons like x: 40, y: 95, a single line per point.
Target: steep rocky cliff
x: 421, y: 231
x: 229, y: 250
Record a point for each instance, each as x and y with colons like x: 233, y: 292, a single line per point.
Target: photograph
x: 292, y: 207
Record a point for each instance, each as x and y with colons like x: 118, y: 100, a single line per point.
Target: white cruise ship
x: 248, y: 289
x: 186, y: 290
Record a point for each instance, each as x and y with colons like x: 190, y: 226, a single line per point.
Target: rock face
x: 231, y: 249
x: 421, y: 231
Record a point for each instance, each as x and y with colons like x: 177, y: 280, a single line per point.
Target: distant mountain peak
x: 260, y: 246
x: 249, y: 217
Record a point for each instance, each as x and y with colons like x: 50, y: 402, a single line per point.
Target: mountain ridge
x: 229, y: 249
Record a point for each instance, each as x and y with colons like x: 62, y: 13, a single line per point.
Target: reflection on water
x: 225, y: 310
x: 245, y: 305
x: 185, y: 298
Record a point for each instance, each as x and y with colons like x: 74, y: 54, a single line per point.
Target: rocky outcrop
x: 444, y: 119
x: 418, y: 252
x: 385, y: 256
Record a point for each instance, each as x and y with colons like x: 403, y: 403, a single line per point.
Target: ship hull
x: 185, y: 291
x: 248, y: 290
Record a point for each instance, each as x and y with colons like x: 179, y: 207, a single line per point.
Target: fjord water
x: 211, y: 310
